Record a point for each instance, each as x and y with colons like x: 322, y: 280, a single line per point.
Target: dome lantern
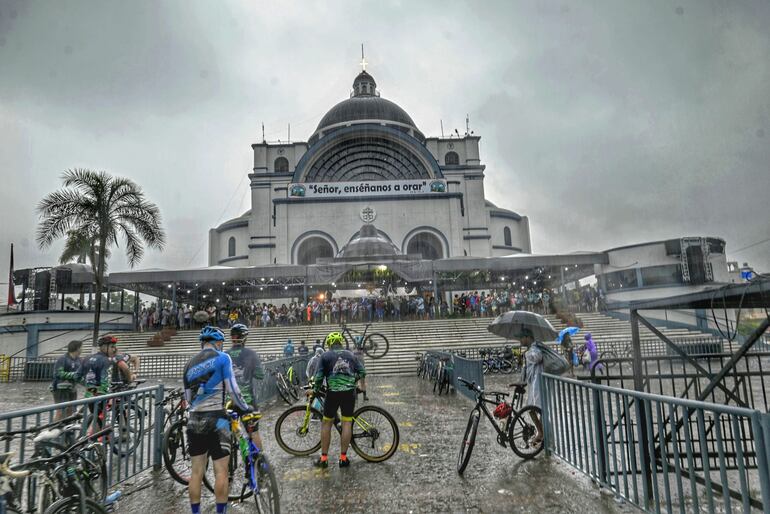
x: 364, y: 85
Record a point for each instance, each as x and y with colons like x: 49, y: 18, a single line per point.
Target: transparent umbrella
x: 510, y: 325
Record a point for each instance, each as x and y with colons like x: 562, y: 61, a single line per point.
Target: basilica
x: 367, y: 165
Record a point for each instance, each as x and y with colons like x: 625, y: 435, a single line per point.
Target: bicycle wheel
x: 522, y: 431
x: 130, y: 427
x: 283, y: 390
x: 268, y: 497
x: 294, y: 435
x: 94, y: 472
x: 72, y: 504
x: 375, y: 434
x: 175, y: 456
x: 485, y: 366
x: 376, y: 345
x: 469, y: 440
x: 505, y: 366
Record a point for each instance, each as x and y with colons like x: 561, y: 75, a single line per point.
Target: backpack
x: 553, y: 363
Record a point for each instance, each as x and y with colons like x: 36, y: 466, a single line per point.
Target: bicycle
x: 492, y: 361
x: 374, y: 345
x: 442, y: 378
x: 375, y: 432
x: 258, y: 479
x: 515, y: 429
x: 286, y: 386
x: 61, y: 482
x: 177, y: 461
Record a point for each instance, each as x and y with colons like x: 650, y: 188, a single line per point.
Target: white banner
x: 378, y: 188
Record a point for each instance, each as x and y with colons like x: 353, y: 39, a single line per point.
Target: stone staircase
x: 406, y: 338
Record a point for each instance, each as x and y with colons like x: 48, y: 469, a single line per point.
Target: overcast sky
x: 606, y: 123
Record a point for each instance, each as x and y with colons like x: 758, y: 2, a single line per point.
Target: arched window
x: 281, y: 165
x: 314, y: 248
x: 231, y: 247
x: 507, y: 237
x: 451, y: 159
x: 427, y: 245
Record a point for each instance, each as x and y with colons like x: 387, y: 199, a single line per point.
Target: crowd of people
x: 327, y: 309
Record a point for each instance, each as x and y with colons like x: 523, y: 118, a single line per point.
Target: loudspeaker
x: 42, y: 290
x: 696, y: 264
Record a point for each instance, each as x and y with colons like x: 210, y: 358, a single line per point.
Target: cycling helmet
x: 108, y: 339
x: 333, y: 338
x: 239, y: 331
x: 211, y: 334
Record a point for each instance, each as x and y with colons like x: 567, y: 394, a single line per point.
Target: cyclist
x: 121, y: 371
x: 207, y: 378
x: 247, y: 369
x: 96, y: 370
x: 341, y: 370
x: 66, y: 375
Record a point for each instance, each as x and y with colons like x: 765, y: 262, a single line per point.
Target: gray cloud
x: 605, y: 122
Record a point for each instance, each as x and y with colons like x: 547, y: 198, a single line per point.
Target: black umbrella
x: 511, y: 324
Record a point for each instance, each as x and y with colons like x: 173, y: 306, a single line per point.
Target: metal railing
x: 135, y: 415
x: 40, y: 369
x: 747, y: 385
x: 457, y: 366
x: 658, y: 452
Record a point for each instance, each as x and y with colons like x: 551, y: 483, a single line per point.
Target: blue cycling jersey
x: 207, y: 378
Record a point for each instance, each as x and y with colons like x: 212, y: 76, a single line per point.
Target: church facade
x: 367, y: 163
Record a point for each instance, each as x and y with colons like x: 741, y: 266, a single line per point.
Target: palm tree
x: 97, y: 209
x: 81, y: 248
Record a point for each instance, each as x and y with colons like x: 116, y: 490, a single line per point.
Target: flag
x: 11, y: 289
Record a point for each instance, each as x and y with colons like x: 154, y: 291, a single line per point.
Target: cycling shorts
x: 208, y: 434
x: 345, y: 401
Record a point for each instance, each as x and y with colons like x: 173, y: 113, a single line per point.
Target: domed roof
x: 368, y: 243
x: 365, y: 104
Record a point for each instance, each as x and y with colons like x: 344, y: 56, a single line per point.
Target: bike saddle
x: 47, y: 435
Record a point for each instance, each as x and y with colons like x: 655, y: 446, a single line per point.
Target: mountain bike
x: 374, y: 345
x: 176, y: 458
x: 257, y: 477
x: 375, y: 432
x: 257, y: 473
x: 59, y: 483
x: 287, y: 385
x: 515, y: 428
x: 492, y: 361
x: 442, y: 377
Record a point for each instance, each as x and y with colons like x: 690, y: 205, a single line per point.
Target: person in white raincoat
x: 533, y: 368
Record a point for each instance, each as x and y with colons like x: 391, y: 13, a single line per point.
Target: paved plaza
x: 421, y: 477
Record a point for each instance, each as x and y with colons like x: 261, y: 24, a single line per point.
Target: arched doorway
x: 426, y: 244
x: 313, y: 248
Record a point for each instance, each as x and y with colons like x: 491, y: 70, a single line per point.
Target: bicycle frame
x: 362, y: 423
x: 348, y: 334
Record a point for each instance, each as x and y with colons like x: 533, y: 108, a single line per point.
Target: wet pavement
x: 420, y: 477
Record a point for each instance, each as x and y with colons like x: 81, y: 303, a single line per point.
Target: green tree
x: 103, y: 209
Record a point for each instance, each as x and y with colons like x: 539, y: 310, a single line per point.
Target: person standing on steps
x: 339, y: 370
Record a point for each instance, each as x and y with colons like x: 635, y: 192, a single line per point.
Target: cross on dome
x: 363, y: 62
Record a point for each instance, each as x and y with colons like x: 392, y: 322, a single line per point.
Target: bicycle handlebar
x: 470, y: 385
